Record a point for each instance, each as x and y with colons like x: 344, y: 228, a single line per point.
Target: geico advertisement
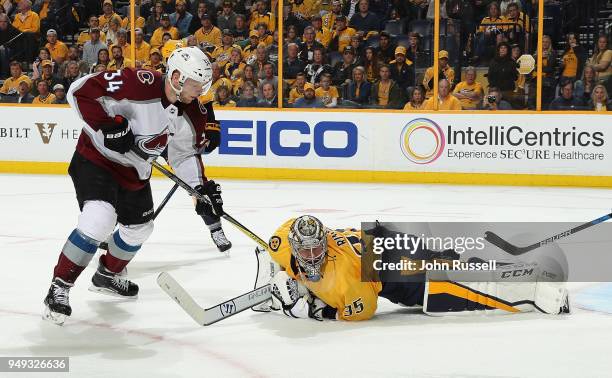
x: 548, y: 144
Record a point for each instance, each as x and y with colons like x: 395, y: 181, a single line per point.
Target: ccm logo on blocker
x: 288, y: 138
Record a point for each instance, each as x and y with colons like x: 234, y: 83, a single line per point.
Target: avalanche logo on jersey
x: 202, y: 107
x: 153, y: 145
x: 145, y: 77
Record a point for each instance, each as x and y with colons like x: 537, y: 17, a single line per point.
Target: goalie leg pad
x: 513, y: 288
x: 266, y: 269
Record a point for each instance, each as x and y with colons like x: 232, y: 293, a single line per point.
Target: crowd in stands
x: 336, y: 53
x: 41, y: 54
x: 379, y: 54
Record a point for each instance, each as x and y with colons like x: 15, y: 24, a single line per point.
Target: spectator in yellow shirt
x: 264, y: 35
x: 44, y: 96
x: 112, y: 33
x: 118, y: 61
x: 327, y: 93
x: 517, y: 21
x: 140, y: 21
x: 58, y: 49
x: 157, y: 37
x: 417, y: 99
x: 602, y: 59
x: 217, y: 81
x: 260, y: 15
x: 305, y: 9
x: 107, y: 14
x: 85, y: 36
x: 469, y: 91
x: 446, y: 101
x: 222, y: 98
x: 208, y: 33
x: 26, y: 20
x: 490, y: 28
x: 298, y: 88
x: 222, y: 53
x: 142, y: 47
x: 155, y: 62
x: 322, y: 34
x: 329, y: 18
x: 446, y: 72
x: 122, y: 42
x: 250, y: 49
x: 11, y: 84
x: 341, y: 37
x: 234, y: 67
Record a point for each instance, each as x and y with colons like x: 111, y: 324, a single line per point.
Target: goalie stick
x: 211, y: 315
x: 104, y: 245
x: 497, y: 241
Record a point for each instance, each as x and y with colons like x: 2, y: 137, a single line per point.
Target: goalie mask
x: 308, y: 240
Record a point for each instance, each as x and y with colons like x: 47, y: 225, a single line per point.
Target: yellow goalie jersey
x: 340, y: 285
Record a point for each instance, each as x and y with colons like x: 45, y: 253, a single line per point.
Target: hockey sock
x: 212, y: 222
x: 76, y: 254
x: 119, y: 253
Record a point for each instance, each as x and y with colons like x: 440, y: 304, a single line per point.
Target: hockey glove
x: 212, y: 191
x: 297, y: 301
x: 213, y: 137
x: 118, y: 136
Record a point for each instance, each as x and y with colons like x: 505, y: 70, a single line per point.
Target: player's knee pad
x: 97, y: 220
x: 135, y: 234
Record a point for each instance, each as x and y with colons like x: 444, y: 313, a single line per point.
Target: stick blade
x: 175, y: 291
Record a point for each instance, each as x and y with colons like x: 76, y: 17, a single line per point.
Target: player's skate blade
x: 57, y: 306
x: 109, y: 283
x: 218, y: 236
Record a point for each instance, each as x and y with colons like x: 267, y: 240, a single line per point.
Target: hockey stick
x: 104, y: 245
x: 497, y: 241
x: 211, y: 315
x: 200, y: 197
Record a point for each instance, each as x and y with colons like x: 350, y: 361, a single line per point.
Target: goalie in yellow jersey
x: 316, y: 273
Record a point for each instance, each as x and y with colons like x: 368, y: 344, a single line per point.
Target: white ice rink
x: 153, y: 337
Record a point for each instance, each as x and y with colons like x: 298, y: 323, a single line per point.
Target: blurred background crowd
x: 336, y: 53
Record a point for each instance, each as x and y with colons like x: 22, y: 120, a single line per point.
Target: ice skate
x: 57, y: 307
x: 106, y: 282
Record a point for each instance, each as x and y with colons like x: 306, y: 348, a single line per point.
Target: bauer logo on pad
x: 46, y: 131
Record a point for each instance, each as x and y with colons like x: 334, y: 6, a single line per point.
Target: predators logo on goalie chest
x: 340, y: 285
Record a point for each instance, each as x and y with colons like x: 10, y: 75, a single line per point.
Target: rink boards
x: 462, y: 148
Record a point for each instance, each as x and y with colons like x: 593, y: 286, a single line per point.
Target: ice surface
x: 152, y: 337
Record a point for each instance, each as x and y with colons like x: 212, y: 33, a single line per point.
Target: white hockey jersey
x: 138, y: 96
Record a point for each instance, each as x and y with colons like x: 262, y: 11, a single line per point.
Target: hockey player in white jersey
x: 128, y: 116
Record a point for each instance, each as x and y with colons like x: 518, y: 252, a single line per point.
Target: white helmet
x: 191, y: 63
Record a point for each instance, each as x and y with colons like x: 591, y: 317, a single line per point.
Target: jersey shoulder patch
x: 274, y: 243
